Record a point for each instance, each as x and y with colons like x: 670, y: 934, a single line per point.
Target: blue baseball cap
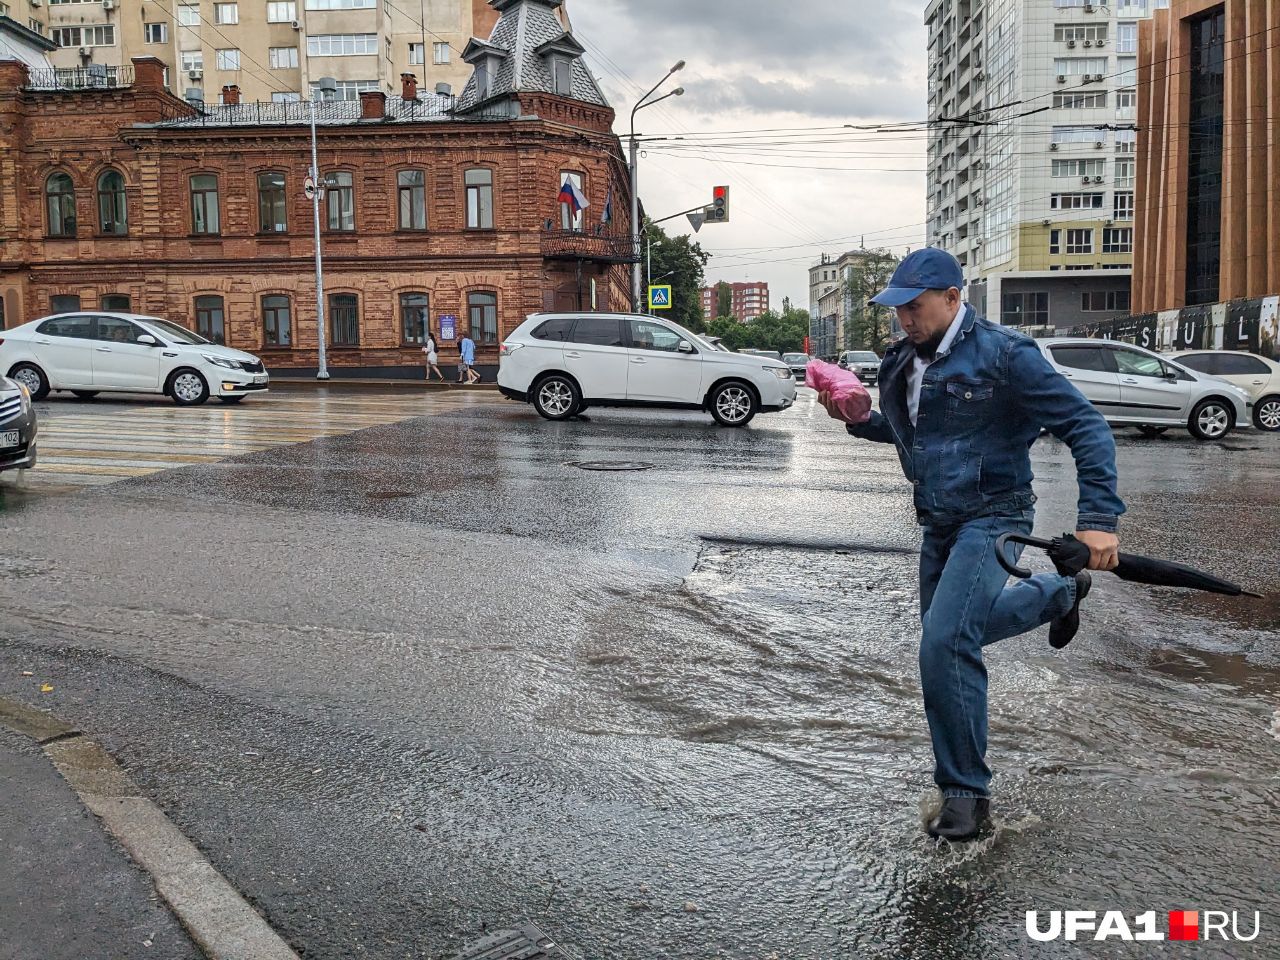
x: 927, y: 269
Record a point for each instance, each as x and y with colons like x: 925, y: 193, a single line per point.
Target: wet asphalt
x: 432, y: 678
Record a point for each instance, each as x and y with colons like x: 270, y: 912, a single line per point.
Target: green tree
x: 679, y: 262
x: 724, y: 300
x: 869, y: 327
x: 772, y: 330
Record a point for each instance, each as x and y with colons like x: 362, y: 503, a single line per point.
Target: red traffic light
x: 721, y: 193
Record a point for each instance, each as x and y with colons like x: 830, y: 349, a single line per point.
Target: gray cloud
x: 819, y: 97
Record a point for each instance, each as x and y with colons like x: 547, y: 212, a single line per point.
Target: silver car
x: 17, y: 427
x: 1131, y: 386
x: 865, y: 363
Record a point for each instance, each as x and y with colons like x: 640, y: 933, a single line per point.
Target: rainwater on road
x: 423, y: 676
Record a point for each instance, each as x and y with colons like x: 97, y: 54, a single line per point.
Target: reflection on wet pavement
x: 597, y: 699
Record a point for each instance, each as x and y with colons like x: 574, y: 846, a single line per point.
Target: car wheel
x: 188, y: 388
x: 557, y: 397
x: 733, y: 404
x: 1147, y: 430
x: 1211, y: 419
x: 231, y: 399
x: 85, y: 394
x: 1266, y: 413
x: 31, y: 377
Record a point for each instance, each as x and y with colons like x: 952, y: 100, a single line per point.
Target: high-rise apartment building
x: 271, y: 50
x: 746, y: 300
x: 1032, y: 153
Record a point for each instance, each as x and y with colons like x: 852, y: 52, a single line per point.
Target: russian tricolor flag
x: 574, y: 197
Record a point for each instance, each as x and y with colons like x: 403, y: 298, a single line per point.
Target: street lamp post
x: 325, y: 86
x: 635, y: 180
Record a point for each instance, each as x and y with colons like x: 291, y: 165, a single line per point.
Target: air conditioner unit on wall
x: 1097, y: 77
x: 1053, y: 146
x: 296, y: 25
x: 1099, y: 145
x: 1071, y: 44
x: 1062, y: 78
x: 108, y: 4
x: 195, y: 74
x: 1088, y: 8
x: 1102, y: 43
x: 1088, y: 180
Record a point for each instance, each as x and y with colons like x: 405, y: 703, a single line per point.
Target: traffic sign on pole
x: 309, y: 187
x: 696, y: 220
x: 660, y: 297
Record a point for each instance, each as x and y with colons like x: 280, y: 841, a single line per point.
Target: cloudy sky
x: 769, y: 89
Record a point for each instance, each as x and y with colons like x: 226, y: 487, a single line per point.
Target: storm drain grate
x: 389, y: 495
x: 527, y: 943
x: 611, y: 465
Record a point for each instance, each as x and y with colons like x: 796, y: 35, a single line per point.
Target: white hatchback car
x: 1257, y: 376
x: 562, y: 363
x: 92, y: 352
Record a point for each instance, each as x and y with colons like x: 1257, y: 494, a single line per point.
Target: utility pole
x: 635, y: 179
x: 325, y: 86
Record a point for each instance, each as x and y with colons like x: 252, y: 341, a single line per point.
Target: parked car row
x: 95, y: 352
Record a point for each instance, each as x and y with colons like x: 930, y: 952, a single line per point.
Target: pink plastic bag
x: 850, y: 396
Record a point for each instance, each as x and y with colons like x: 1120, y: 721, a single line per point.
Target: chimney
x: 373, y: 105
x: 409, y: 86
x: 231, y: 95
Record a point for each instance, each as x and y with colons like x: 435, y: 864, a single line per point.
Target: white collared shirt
x: 915, y: 376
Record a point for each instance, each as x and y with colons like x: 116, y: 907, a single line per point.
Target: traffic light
x: 718, y: 212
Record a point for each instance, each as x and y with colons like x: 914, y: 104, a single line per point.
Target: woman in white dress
x: 430, y: 350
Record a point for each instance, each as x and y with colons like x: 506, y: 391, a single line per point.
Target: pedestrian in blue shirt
x: 467, y: 353
x: 963, y: 399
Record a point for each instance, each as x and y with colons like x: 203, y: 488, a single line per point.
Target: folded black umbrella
x: 1070, y: 556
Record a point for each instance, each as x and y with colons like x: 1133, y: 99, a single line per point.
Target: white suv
x: 94, y: 351
x: 563, y: 363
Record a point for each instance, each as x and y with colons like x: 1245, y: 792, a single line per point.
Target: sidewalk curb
x: 213, y: 912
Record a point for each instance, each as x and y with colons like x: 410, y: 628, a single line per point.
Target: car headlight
x: 224, y: 362
x: 783, y: 373
x: 26, y: 398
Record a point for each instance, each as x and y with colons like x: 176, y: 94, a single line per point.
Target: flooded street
x: 422, y: 676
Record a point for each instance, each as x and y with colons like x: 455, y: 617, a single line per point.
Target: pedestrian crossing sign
x: 660, y: 297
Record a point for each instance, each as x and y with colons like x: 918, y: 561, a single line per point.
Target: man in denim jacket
x: 963, y: 400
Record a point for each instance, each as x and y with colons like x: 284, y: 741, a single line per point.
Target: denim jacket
x: 982, y: 405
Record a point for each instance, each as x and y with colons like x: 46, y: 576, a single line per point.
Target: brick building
x: 746, y: 300
x: 127, y: 198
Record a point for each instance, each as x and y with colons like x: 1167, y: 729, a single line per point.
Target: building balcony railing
x: 597, y: 245
x: 96, y: 76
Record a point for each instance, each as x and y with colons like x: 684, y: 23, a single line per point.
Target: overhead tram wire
x: 271, y: 81
x: 769, y: 201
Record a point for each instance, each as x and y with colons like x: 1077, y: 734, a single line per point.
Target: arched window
x: 113, y: 216
x: 479, y: 183
x: 272, y: 213
x: 411, y: 190
x: 482, y: 316
x: 204, y: 204
x: 344, y: 319
x: 340, y: 201
x: 415, y: 317
x: 60, y: 201
x: 277, y: 321
x: 211, y: 318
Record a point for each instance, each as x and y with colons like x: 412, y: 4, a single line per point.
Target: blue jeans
x: 965, y: 605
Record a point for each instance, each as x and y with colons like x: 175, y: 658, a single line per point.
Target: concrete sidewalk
x: 366, y: 382
x: 69, y: 891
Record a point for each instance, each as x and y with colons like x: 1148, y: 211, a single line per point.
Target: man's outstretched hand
x: 1104, y: 548
x: 833, y: 411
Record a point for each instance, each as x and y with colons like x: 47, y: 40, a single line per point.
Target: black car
x: 17, y: 427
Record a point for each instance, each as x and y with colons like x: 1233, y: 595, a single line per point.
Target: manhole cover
x: 389, y: 495
x: 526, y: 943
x: 610, y: 464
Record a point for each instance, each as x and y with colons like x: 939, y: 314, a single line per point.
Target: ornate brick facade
x: 162, y: 264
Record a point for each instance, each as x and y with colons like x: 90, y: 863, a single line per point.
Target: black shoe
x: 1063, y: 629
x: 960, y: 818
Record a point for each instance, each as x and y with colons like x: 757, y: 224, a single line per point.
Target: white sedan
x: 90, y: 353
x: 562, y: 363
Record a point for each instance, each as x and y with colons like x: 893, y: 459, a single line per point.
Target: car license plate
x: 10, y: 438
x: 261, y: 378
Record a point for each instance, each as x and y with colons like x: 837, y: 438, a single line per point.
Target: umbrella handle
x: 1010, y: 567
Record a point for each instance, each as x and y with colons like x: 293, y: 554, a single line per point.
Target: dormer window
x: 484, y: 78
x: 562, y: 76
